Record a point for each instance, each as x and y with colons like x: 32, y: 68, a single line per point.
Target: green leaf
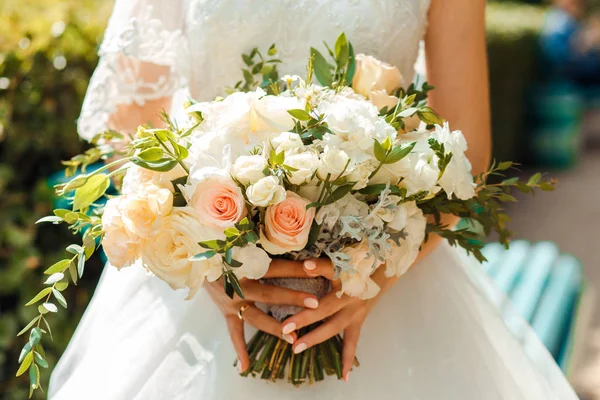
x: 60, y: 286
x: 235, y: 283
x: 231, y: 232
x: 42, y: 310
x: 247, y: 60
x: 299, y: 114
x: 151, y: 154
x: 234, y: 263
x: 387, y: 144
x: 48, y: 327
x: 51, y: 218
x: 212, y: 244
x: 379, y: 151
x: 341, y: 50
x: 89, y: 246
x: 535, y: 179
x: 272, y: 50
x: 25, y: 364
x: 507, y: 198
x: 35, y: 336
x: 43, y: 293
x: 50, y: 307
x: 338, y: 194
x: 40, y: 360
x: 430, y: 117
x: 313, y: 235
x: 29, y: 325
x: 510, y: 181
x: 58, y: 267
x: 80, y: 264
x: 399, y: 152
x: 34, y: 376
x: 248, y: 76
x: 75, y: 249
x: 321, y: 68
x: 503, y: 166
x: 378, y: 188
x: 162, y: 165
x: 60, y: 298
x: 73, y: 272
x: 54, y: 278
x: 71, y: 217
x: 61, y: 212
x: 203, y: 256
x: 547, y: 186
x: 26, y: 349
x: 351, y: 65
x: 228, y: 286
x: 93, y: 189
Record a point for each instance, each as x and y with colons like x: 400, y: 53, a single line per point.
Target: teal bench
x: 545, y: 288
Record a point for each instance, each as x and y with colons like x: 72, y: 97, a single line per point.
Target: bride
x: 432, y: 334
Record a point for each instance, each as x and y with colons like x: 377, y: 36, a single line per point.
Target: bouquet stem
x: 271, y: 357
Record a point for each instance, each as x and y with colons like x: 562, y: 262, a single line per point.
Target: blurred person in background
x: 570, y: 43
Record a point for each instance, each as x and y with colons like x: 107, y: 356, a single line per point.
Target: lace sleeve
x: 144, y: 57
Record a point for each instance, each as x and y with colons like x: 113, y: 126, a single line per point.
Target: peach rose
x: 376, y: 80
x: 144, y: 211
x: 218, y: 201
x: 287, y: 225
x: 121, y: 246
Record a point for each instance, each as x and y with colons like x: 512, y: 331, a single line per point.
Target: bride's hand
x: 345, y: 314
x: 255, y: 291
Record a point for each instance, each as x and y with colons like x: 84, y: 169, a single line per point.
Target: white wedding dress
x: 436, y: 334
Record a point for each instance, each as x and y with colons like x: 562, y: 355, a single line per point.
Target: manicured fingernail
x: 288, y: 338
x: 310, y: 302
x: 289, y: 328
x: 346, y: 376
x: 240, y: 366
x: 310, y: 265
x: 300, y: 348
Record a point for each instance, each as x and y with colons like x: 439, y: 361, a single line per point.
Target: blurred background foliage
x: 47, y: 55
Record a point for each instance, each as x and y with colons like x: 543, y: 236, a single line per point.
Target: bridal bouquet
x: 355, y: 168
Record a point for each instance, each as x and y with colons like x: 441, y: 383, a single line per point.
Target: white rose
x: 288, y: 142
x: 137, y: 178
x: 121, y: 246
x: 143, y: 212
x: 360, y: 174
x: 333, y: 161
x: 358, y: 282
x: 373, y: 75
x: 267, y: 191
x: 168, y: 253
x: 403, y: 256
x: 249, y: 169
x: 310, y: 192
x: 381, y: 99
x: 270, y: 114
x: 457, y: 178
x: 305, y: 164
x: 255, y: 261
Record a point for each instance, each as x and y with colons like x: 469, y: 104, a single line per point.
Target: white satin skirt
x: 437, y: 334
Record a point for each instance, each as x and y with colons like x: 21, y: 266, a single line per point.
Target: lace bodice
x: 155, y: 48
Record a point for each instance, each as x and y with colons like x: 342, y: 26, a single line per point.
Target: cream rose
x: 143, y: 212
x: 137, y: 177
x: 358, y: 282
x: 255, y: 261
x: 412, y: 221
x: 333, y: 161
x: 249, y: 169
x: 376, y: 80
x: 265, y: 192
x: 217, y: 199
x: 167, y: 254
x: 121, y: 246
x: 287, y: 225
x: 288, y: 142
x: 305, y: 165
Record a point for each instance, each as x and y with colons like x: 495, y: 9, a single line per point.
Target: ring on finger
x: 243, y: 308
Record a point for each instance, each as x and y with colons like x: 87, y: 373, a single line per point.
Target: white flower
x: 168, y: 253
x: 412, y: 221
x: 358, y: 282
x: 265, y: 192
x: 137, y: 177
x: 360, y: 174
x: 333, y: 161
x: 255, y: 261
x: 310, y: 192
x: 288, y: 142
x: 457, y: 178
x: 348, y: 205
x: 143, y: 212
x: 122, y: 247
x: 376, y: 80
x: 249, y: 169
x: 305, y: 165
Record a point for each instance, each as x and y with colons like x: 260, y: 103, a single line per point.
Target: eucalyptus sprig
x: 260, y: 72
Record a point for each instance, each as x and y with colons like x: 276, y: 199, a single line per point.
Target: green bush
x: 513, y: 32
x: 47, y: 55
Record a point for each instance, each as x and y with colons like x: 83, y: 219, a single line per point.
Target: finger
x: 285, y: 269
x: 319, y: 267
x: 269, y: 294
x: 327, y: 330
x: 351, y: 335
x: 236, y: 332
x: 265, y: 323
x: 328, y: 306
